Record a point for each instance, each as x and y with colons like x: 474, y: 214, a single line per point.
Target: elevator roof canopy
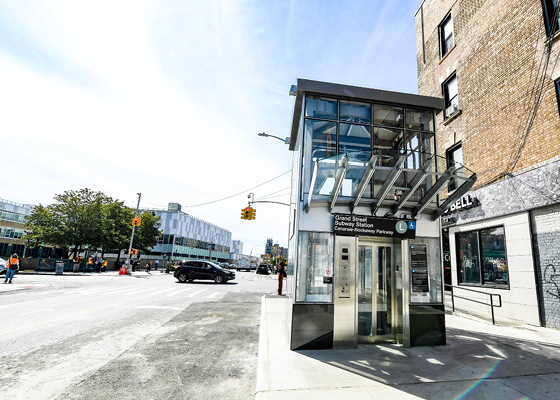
x: 397, y: 179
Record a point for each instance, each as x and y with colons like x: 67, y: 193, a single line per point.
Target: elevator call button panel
x: 344, y: 276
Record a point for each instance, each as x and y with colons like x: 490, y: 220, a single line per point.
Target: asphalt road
x: 143, y: 337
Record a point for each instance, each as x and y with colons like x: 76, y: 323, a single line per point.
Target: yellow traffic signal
x: 136, y: 221
x: 243, y: 214
x: 252, y: 213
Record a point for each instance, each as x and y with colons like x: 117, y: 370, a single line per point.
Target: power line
x: 270, y: 194
x: 243, y: 192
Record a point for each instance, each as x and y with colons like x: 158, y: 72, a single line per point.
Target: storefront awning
x: 401, y: 181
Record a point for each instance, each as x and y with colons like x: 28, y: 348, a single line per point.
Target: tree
x: 75, y: 219
x: 40, y: 224
x: 117, y: 227
x: 148, y: 233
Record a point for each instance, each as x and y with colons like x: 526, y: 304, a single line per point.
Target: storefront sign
x: 464, y: 203
x: 419, y: 268
x: 363, y: 225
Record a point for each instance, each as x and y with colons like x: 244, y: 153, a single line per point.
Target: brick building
x: 495, y: 64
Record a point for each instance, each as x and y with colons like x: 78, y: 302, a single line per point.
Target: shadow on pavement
x: 472, y: 365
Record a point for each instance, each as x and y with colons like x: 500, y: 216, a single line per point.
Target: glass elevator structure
x: 364, y: 262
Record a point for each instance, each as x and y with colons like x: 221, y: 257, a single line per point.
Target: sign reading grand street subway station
x: 363, y: 225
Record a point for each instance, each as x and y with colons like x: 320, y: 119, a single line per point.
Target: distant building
x: 237, y: 250
x: 185, y: 236
x: 12, y: 219
x: 268, y: 246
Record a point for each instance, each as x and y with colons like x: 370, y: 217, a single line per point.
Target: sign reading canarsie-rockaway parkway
x: 363, y: 225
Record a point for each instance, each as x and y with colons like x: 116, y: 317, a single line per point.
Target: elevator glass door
x: 379, y: 292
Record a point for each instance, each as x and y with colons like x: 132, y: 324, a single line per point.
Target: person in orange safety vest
x: 12, y: 266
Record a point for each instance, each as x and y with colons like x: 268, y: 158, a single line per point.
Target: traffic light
x: 247, y: 213
x: 252, y: 213
x: 243, y: 213
x: 136, y: 221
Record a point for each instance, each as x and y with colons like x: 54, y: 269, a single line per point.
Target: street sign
x: 328, y: 271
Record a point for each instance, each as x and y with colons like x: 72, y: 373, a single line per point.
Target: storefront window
x: 315, y: 256
x: 481, y: 257
x: 492, y: 245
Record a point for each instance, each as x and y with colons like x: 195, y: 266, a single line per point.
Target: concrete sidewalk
x: 480, y: 361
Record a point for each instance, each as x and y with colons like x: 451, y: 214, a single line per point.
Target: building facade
x: 185, y: 236
x: 237, y: 249
x: 12, y: 220
x: 495, y: 64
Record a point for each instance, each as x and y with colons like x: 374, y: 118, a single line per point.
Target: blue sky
x: 167, y: 97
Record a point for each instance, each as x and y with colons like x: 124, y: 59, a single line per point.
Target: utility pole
x: 132, y: 236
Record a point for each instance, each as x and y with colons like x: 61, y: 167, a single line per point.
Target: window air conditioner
x: 452, y: 109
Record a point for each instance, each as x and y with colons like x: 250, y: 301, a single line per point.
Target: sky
x: 166, y: 98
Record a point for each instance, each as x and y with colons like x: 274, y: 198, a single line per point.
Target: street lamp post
x: 211, y: 243
x: 251, y: 254
x: 286, y: 141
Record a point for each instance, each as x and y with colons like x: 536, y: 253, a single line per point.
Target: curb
x: 262, y: 384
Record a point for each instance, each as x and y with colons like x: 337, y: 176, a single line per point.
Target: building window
x: 451, y: 96
x: 454, y: 156
x: 481, y: 258
x: 551, y: 16
x: 446, y: 35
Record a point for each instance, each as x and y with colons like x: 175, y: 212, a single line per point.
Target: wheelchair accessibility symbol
x: 412, y: 225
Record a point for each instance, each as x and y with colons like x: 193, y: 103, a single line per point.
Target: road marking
x: 195, y: 293
x: 161, y: 291
x: 36, y: 311
x: 213, y: 295
x: 88, y: 290
x: 180, y: 291
x: 139, y: 291
x: 160, y: 308
x: 123, y: 290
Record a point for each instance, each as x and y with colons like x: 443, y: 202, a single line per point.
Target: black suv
x: 187, y: 271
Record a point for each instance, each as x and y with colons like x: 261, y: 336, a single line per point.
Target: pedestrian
x: 148, y: 266
x: 98, y: 265
x: 90, y: 263
x: 281, y: 275
x: 134, y: 265
x: 104, y: 266
x: 156, y: 264
x: 13, y: 265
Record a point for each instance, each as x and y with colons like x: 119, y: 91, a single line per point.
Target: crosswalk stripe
x: 139, y: 291
x: 123, y: 290
x: 213, y: 295
x: 88, y: 290
x: 161, y: 291
x: 180, y: 291
x: 195, y: 293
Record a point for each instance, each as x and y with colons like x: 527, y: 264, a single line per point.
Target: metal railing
x: 491, y: 303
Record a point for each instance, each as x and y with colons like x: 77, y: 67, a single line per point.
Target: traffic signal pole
x: 132, y: 236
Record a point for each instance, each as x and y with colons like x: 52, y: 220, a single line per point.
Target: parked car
x: 188, y: 271
x: 263, y: 269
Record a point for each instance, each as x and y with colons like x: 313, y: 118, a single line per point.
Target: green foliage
x: 85, y: 217
x: 147, y: 234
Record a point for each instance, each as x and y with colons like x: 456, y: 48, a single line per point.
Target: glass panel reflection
x: 492, y: 244
x: 320, y: 107
x: 419, y: 119
x: 364, y: 286
x: 353, y: 138
x: 388, y: 115
x: 467, y: 257
x: 323, y: 138
x: 354, y: 111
